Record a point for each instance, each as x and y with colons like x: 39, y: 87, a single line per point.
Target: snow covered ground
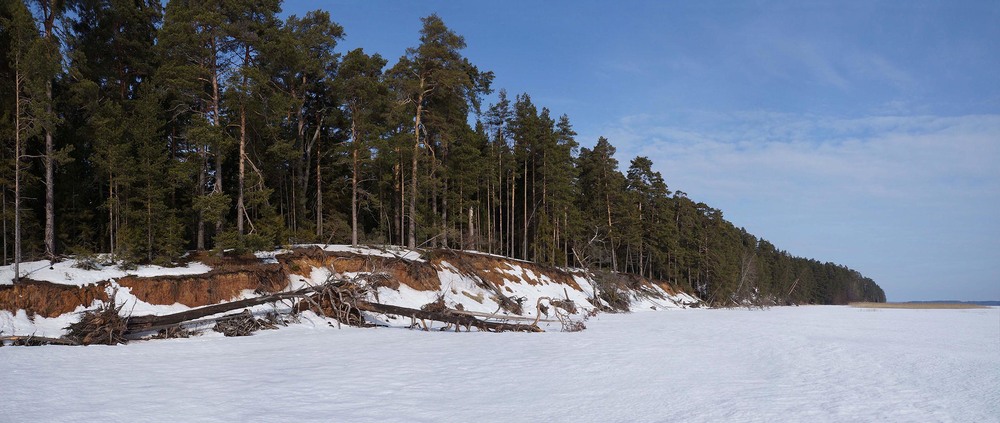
x: 67, y: 273
x: 812, y: 364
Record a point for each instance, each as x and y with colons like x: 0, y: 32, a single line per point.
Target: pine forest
x: 146, y: 130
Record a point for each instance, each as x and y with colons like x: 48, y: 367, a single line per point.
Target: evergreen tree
x: 250, y: 27
x: 304, y: 67
x: 559, y: 174
x: 650, y: 193
x: 601, y: 190
x: 49, y: 59
x: 365, y: 99
x: 26, y: 53
x: 434, y: 71
x: 196, y: 52
x: 165, y: 124
x: 500, y: 204
x: 106, y: 122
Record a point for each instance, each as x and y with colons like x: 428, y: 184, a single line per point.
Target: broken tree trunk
x: 447, y: 317
x: 144, y: 323
x: 35, y: 340
x: 148, y: 323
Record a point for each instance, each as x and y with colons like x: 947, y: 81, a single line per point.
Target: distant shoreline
x: 927, y: 305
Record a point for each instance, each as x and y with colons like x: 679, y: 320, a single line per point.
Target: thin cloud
x: 875, y: 193
x: 891, y: 155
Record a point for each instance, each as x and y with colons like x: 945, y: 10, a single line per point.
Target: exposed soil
x: 414, y: 274
x: 208, y: 288
x: 49, y: 299
x: 232, y: 275
x: 494, y: 269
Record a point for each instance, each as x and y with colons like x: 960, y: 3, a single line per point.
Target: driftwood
x: 502, y: 316
x: 242, y: 324
x: 146, y: 323
x: 447, y: 317
x: 105, y: 325
x: 35, y: 340
x: 567, y: 308
x: 345, y: 304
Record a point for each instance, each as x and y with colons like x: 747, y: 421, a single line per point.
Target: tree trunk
x: 149, y: 220
x: 510, y: 214
x: 50, y: 214
x: 18, y: 80
x: 444, y: 214
x: 201, y: 191
x: 240, y: 206
x: 111, y: 213
x: 216, y: 99
x: 611, y: 238
x: 319, y: 187
x: 488, y: 215
x: 412, y: 240
x: 524, y: 206
x: 398, y: 175
x: 472, y: 230
x: 3, y: 201
x: 354, y: 179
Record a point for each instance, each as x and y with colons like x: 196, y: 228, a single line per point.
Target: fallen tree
x: 157, y: 322
x: 447, y: 316
x: 31, y: 340
x: 340, y: 299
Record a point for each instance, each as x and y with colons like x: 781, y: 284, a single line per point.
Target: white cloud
x: 900, y: 157
x: 887, y: 195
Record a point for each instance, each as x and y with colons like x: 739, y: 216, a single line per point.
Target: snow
x: 19, y: 323
x: 816, y: 364
x: 456, y: 289
x: 390, y: 251
x: 65, y: 273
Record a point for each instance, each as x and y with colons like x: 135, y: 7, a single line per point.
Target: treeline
x: 145, y: 131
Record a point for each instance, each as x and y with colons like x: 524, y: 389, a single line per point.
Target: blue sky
x: 864, y: 133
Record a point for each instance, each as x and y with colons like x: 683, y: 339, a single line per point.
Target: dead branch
x: 143, y: 323
x: 242, y: 324
x: 448, y: 317
x: 31, y: 340
x: 104, y: 325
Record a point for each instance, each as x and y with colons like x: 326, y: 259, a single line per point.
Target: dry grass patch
x: 917, y: 306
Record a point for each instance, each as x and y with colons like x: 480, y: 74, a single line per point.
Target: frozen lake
x: 815, y: 364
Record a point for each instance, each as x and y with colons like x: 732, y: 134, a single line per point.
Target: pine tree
x: 305, y: 65
x: 196, y: 52
x: 649, y: 191
x: 23, y: 51
x: 434, y: 70
x: 49, y: 58
x: 111, y: 44
x: 528, y: 131
x: 500, y: 198
x: 365, y: 99
x: 601, y: 188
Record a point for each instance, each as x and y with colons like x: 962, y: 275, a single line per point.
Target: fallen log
x: 447, y: 317
x: 35, y: 340
x: 501, y: 316
x: 147, y: 323
x: 151, y: 322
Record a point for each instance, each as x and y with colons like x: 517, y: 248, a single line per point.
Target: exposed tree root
x: 242, y: 324
x: 338, y: 298
x: 104, y: 325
